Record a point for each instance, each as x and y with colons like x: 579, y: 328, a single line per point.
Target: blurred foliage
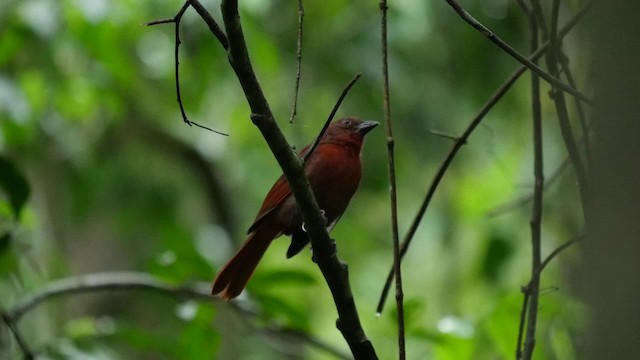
x: 89, y: 123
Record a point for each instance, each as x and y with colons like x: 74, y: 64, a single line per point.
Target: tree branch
x: 344, y: 93
x: 515, y: 54
x: 552, y: 60
x: 531, y: 304
x: 393, y: 198
x: 334, y: 271
x: 461, y: 141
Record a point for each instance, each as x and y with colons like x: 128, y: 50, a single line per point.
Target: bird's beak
x: 366, y: 126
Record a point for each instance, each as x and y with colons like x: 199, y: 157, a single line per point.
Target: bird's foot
x: 324, y: 218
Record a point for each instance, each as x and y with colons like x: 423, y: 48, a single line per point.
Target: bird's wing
x: 279, y: 193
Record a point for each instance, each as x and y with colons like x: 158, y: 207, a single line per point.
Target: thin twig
x: 461, y: 141
x: 555, y: 253
x: 582, y: 118
x: 296, y: 90
x: 535, y: 85
x: 176, y: 21
x: 515, y: 54
x: 332, y: 114
x: 533, y: 292
x: 393, y: 198
x: 552, y: 60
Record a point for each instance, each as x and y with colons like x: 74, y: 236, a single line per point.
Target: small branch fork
x: 527, y: 290
x: 462, y: 139
x: 129, y: 281
x: 515, y: 54
x: 176, y: 20
x: 334, y: 271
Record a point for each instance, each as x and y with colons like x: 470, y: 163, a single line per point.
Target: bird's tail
x: 234, y: 276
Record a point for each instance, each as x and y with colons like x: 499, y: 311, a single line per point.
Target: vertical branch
x: 296, y: 90
x: 532, y: 290
x: 552, y: 60
x: 392, y: 182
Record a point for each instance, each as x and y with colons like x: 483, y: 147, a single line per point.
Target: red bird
x: 333, y: 170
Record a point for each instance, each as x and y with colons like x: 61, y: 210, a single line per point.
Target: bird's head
x: 348, y: 130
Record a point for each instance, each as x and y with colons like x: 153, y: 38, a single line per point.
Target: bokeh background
x: 118, y: 182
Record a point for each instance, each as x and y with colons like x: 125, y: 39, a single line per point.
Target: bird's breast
x: 334, y: 173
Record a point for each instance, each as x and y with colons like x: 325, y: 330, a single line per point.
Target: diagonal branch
x: 333, y: 270
x: 345, y: 91
x: 515, y: 54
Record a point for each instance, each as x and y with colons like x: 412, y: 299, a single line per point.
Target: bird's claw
x: 324, y: 218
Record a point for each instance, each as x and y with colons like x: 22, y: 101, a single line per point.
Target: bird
x: 334, y: 170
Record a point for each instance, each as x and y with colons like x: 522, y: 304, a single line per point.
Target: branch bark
x: 334, y: 271
x: 393, y: 198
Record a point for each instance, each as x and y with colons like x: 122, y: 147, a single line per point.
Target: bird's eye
x: 346, y: 122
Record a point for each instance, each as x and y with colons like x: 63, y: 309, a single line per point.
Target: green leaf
x: 498, y: 252
x: 5, y: 241
x: 14, y: 184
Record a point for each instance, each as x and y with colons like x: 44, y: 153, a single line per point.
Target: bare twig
x: 332, y: 114
x: 552, y: 60
x: 176, y: 21
x: 555, y: 253
x: 393, y: 198
x: 515, y: 54
x: 334, y: 271
x: 296, y: 90
x: 566, y: 70
x: 536, y: 212
x: 460, y: 142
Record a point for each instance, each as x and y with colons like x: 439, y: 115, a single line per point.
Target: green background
x: 118, y: 182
